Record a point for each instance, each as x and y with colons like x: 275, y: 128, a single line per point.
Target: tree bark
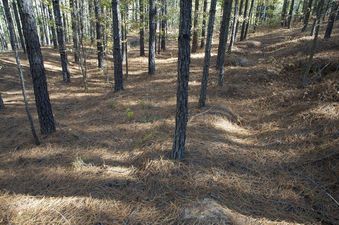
x: 203, y: 29
x: 37, y: 69
x: 61, y: 41
x: 22, y: 81
x: 237, y: 24
x: 2, y: 105
x: 207, y: 59
x: 314, y: 43
x: 235, y: 19
x: 163, y: 24
x: 181, y: 118
x: 118, y: 76
x: 142, y: 28
x: 99, y: 29
x: 152, y: 34
x: 248, y: 21
x: 307, y: 15
x: 74, y: 13
x: 283, y: 13
x: 195, y: 27
x: 242, y: 35
x: 223, y: 34
x: 290, y: 14
x: 51, y: 18
x: 224, y: 29
x: 331, y: 19
x: 18, y: 24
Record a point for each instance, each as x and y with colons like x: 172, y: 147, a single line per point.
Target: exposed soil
x: 263, y: 151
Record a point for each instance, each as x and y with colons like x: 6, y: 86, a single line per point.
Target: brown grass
x: 263, y: 151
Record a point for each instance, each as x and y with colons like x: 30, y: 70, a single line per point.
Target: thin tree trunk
x: 61, y: 41
x: 82, y: 50
x: 18, y: 24
x: 142, y: 28
x: 283, y: 13
x: 181, y: 118
x: 224, y: 29
x: 307, y: 15
x: 331, y: 19
x: 163, y: 25
x: 92, y: 23
x: 237, y: 25
x: 314, y: 43
x: 195, y: 27
x: 22, y: 81
x: 290, y: 14
x: 207, y: 59
x: 74, y: 12
x: 37, y: 68
x: 52, y: 21
x: 248, y: 21
x: 152, y: 36
x: 118, y: 76
x: 242, y: 36
x: 203, y: 29
x: 99, y: 29
x: 235, y: 19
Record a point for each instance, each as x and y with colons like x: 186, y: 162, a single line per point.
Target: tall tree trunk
x: 82, y: 50
x: 99, y: 29
x: 142, y: 27
x: 203, y: 28
x: 237, y: 25
x: 18, y: 24
x: 152, y: 36
x: 65, y: 25
x: 61, y: 41
x: 290, y: 14
x: 74, y: 12
x: 195, y: 27
x: 307, y: 15
x: 224, y: 29
x: 118, y: 77
x: 242, y: 36
x: 314, y: 43
x: 248, y: 21
x: 37, y: 68
x: 331, y: 19
x: 181, y: 117
x: 207, y: 59
x: 283, y: 13
x: 22, y: 81
x: 93, y: 24
x: 235, y: 19
x: 223, y: 34
x: 163, y: 24
x: 52, y: 21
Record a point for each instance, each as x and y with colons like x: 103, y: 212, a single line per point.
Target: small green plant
x: 130, y: 114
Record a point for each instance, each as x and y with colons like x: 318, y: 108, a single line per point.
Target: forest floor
x: 263, y: 151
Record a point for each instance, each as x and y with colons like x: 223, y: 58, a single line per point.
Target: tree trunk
x: 290, y: 14
x: 74, y: 13
x: 242, y: 36
x: 314, y: 43
x: 61, y: 41
x: 82, y: 50
x: 331, y: 19
x: 248, y: 21
x: 152, y: 34
x: 307, y: 15
x: 142, y: 28
x: 195, y: 27
x: 18, y: 24
x: 235, y: 19
x: 237, y: 25
x: 163, y: 25
x: 22, y: 81
x: 203, y: 29
x: 224, y: 28
x: 207, y: 59
x: 2, y: 105
x: 52, y: 21
x: 181, y: 118
x: 37, y: 68
x: 283, y: 13
x: 99, y: 29
x: 93, y: 24
x: 64, y: 23
x: 118, y: 77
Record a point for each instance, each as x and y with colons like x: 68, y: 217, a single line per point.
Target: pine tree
x: 61, y: 41
x: 37, y: 69
x: 142, y: 27
x: 18, y: 24
x: 203, y: 28
x: 234, y: 24
x: 331, y: 19
x: 242, y: 35
x: 183, y: 77
x: 307, y: 15
x: 290, y: 15
x: 117, y: 55
x: 99, y: 32
x: 207, y: 59
x: 152, y: 37
x: 195, y: 27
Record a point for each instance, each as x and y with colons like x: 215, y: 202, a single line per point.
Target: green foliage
x: 130, y: 114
